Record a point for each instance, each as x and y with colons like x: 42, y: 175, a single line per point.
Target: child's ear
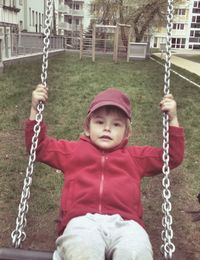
x: 86, y: 128
x: 129, y: 133
x: 86, y: 132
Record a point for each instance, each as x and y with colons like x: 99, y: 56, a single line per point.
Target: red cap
x: 111, y: 97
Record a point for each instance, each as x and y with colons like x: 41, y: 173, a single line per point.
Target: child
x: 101, y: 211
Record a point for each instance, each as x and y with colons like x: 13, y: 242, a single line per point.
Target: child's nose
x: 107, y: 127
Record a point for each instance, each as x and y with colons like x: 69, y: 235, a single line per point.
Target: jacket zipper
x: 101, y: 186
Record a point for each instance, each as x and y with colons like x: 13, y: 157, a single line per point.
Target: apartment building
x: 71, y: 15
x: 194, y: 35
x: 186, y: 27
x: 19, y: 16
x: 9, y: 10
x: 31, y: 15
x: 22, y: 15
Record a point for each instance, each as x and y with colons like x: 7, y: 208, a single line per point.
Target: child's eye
x: 100, y: 122
x: 117, y: 124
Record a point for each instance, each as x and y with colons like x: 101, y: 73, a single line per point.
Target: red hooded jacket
x: 102, y: 182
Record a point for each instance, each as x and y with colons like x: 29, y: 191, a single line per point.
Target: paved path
x: 191, y: 66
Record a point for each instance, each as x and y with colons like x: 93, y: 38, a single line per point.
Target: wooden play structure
x: 111, y: 39
x: 107, y: 39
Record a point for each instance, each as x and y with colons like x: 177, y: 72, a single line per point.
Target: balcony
x: 74, y: 1
x: 11, y: 8
x: 68, y: 27
x: 178, y: 33
x: 65, y: 9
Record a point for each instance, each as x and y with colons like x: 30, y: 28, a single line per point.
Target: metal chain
x: 167, y: 248
x: 18, y: 235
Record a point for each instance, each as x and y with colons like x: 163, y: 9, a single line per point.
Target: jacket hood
x: 120, y: 146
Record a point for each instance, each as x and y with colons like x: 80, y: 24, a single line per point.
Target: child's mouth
x: 106, y: 137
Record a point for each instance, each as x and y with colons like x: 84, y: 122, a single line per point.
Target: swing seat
x: 22, y: 254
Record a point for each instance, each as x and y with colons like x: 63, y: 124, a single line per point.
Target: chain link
x: 167, y: 248
x: 19, y: 235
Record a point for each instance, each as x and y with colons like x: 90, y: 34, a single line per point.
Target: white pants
x: 100, y: 237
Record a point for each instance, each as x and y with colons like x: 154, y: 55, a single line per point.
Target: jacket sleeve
x: 50, y: 151
x: 149, y: 159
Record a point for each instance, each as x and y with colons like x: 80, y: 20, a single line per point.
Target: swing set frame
x: 108, y: 29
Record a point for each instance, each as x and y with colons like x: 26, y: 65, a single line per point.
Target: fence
x: 22, y: 44
x: 27, y: 43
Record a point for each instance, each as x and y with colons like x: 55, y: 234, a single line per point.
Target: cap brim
x: 108, y: 103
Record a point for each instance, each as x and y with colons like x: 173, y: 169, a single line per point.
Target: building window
x: 194, y: 39
x: 77, y: 6
x: 29, y: 16
x: 36, y: 17
x: 40, y: 19
x: 178, y: 26
x: 40, y: 25
x: 195, y: 25
x: 196, y: 46
x: 36, y: 22
x: 179, y: 11
x: 33, y: 18
x: 11, y: 3
x: 197, y: 34
x: 196, y: 10
x: 68, y: 19
x: 196, y: 4
x: 155, y: 44
x: 21, y: 25
x: 178, y: 43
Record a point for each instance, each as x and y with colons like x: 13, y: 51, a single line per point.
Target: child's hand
x: 168, y: 105
x: 39, y: 94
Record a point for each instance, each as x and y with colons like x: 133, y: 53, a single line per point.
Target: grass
x: 72, y: 84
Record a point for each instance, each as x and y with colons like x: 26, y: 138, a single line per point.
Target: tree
x: 141, y: 15
x: 54, y: 19
x: 147, y: 15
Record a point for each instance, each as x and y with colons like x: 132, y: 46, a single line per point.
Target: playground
x: 72, y: 83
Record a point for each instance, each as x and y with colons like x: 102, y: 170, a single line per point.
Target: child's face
x: 107, y: 129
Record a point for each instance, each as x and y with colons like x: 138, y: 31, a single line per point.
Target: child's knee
x: 79, y: 251
x: 77, y: 254
x: 132, y: 254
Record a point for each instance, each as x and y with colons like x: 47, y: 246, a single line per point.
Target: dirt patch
x: 186, y: 233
